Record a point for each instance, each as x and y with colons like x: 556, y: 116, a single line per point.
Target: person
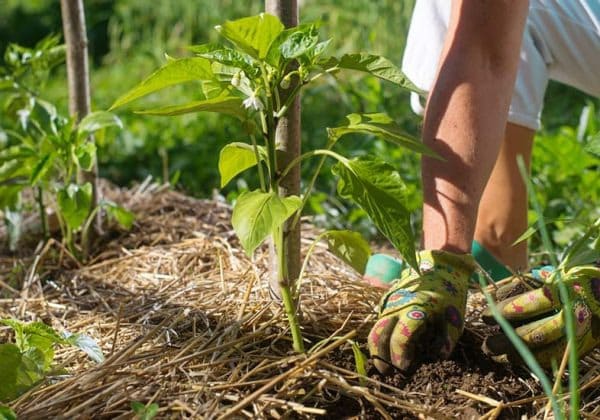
x: 485, y: 65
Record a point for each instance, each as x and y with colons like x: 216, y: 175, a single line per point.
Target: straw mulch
x: 185, y: 320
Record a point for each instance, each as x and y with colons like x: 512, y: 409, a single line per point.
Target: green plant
x: 30, y: 359
x: 44, y: 150
x: 7, y: 414
x: 248, y: 81
x: 144, y: 412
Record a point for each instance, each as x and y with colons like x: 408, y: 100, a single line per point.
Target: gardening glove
x: 422, y: 315
x: 539, y: 316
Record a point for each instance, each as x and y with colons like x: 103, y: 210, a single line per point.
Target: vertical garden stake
x: 73, y: 20
x: 288, y: 141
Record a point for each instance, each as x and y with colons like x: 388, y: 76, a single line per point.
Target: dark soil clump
x: 433, y: 385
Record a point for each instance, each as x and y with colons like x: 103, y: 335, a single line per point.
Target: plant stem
x: 261, y: 175
x: 269, y: 128
x: 288, y: 298
x: 42, y: 209
x: 85, y: 231
x: 322, y: 152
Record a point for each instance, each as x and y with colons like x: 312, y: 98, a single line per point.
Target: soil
x: 434, y: 384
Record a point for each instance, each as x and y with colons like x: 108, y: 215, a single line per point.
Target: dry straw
x: 186, y: 322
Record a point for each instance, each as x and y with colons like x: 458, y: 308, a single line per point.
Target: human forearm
x: 466, y: 116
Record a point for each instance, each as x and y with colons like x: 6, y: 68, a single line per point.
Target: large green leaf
x: 236, y: 158
x: 74, y: 203
x: 350, y: 247
x: 229, y: 105
x: 19, y: 372
x: 254, y: 34
x: 172, y: 73
x: 382, y: 126
x: 375, y: 65
x: 257, y: 214
x: 97, y: 121
x: 378, y: 189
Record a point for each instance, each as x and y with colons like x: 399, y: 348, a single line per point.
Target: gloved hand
x: 541, y: 317
x: 422, y: 315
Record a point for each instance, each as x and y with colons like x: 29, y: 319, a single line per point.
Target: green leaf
x: 11, y: 169
x: 124, y: 217
x: 375, y: 65
x: 593, y: 145
x: 360, y: 360
x: 36, y: 340
x: 74, y: 203
x: 378, y: 189
x: 228, y: 105
x: 382, y: 126
x: 19, y: 371
x: 350, y: 247
x: 254, y: 34
x: 585, y: 250
x: 172, y: 73
x: 41, y: 168
x: 97, y: 121
x: 236, y: 158
x: 88, y: 345
x: 143, y: 412
x: 529, y: 232
x: 15, y: 153
x: 257, y: 214
x: 299, y: 42
x: 86, y: 155
x: 7, y: 414
x: 10, y: 360
x: 226, y: 56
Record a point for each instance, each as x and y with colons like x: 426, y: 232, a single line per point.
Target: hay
x: 186, y: 321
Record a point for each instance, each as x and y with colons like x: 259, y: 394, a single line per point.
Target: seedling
x: 30, y: 359
x: 45, y: 151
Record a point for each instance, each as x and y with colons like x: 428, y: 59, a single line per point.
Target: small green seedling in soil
x: 30, y: 359
x: 143, y: 412
x: 45, y: 150
x: 255, y: 79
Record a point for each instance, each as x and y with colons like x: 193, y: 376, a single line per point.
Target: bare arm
x: 466, y: 115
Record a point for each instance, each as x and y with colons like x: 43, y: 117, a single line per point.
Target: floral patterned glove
x: 422, y: 315
x: 541, y: 317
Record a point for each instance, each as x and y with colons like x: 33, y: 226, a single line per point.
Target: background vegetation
x: 127, y: 40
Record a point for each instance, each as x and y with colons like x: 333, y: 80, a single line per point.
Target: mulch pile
x: 186, y: 321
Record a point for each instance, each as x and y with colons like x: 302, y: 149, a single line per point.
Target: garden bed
x: 185, y: 320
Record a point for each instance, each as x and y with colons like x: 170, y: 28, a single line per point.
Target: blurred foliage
x: 127, y: 40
